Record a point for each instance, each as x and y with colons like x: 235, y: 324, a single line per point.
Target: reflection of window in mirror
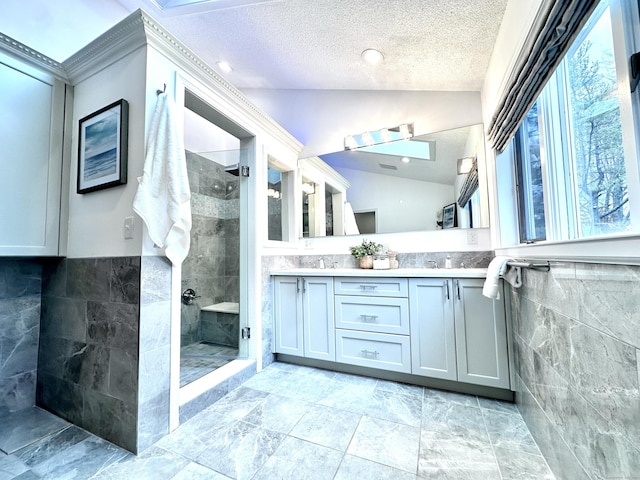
x: 279, y: 202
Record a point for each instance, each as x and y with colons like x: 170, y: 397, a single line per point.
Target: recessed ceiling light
x: 405, y: 160
x: 372, y: 56
x: 224, y: 66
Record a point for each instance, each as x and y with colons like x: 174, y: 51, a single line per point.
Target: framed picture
x: 449, y: 216
x: 102, y: 148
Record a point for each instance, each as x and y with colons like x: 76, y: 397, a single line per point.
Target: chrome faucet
x: 432, y: 263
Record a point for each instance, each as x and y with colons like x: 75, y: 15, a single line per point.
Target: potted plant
x: 365, y: 252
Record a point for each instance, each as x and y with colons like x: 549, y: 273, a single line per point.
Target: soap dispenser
x: 447, y: 262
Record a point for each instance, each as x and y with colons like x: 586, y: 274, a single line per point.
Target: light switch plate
x: 128, y: 228
x: 472, y: 237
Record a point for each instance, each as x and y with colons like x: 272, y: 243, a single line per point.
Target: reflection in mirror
x: 280, y: 183
x: 400, y: 191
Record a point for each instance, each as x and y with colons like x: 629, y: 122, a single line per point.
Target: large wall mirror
x: 398, y: 189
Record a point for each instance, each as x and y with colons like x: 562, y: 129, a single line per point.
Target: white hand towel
x: 497, y: 266
x: 163, y: 196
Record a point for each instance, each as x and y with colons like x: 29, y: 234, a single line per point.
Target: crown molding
x: 140, y: 30
x: 34, y: 58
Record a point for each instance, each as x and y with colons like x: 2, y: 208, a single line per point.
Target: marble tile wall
x: 89, y: 352
x: 154, y: 351
x: 20, y: 303
x: 212, y: 266
x: 577, y: 341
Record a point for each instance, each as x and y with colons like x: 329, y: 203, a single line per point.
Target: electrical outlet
x: 128, y: 228
x: 472, y: 237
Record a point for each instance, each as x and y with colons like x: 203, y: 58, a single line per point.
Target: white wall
x: 96, y: 219
x: 401, y: 204
x: 320, y: 119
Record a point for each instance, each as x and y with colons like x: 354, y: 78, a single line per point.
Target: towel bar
x: 537, y: 266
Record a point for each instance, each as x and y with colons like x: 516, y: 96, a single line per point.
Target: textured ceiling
x: 316, y: 44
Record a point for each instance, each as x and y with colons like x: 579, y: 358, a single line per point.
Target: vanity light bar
x: 377, y: 137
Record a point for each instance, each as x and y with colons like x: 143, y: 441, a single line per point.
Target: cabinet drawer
x: 382, y: 315
x: 372, y: 287
x: 376, y: 350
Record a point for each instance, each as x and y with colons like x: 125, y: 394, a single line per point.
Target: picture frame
x: 450, y: 216
x: 103, y: 147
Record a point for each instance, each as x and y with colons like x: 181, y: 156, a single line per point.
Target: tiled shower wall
x: 88, y: 356
x: 213, y: 265
x: 103, y: 361
x: 20, y: 302
x: 576, y: 340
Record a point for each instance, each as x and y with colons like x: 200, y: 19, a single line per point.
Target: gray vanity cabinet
x: 304, y: 317
x: 457, y: 333
x: 433, y: 343
x: 481, y: 335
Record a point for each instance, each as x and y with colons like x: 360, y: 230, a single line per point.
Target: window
x: 570, y: 157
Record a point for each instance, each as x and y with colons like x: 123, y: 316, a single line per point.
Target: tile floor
x: 198, y: 359
x: 292, y: 422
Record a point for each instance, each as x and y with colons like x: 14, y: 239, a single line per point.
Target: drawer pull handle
x: 368, y: 287
x: 445, y: 284
x: 369, y: 353
x: 369, y: 318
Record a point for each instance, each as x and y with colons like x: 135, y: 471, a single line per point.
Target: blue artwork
x: 100, y: 148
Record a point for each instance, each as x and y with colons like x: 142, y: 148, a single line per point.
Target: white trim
x: 623, y: 249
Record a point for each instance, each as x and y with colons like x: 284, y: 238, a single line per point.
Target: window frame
x: 620, y: 247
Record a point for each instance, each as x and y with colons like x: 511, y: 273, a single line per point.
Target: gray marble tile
x: 268, y: 380
x: 604, y: 371
x: 193, y: 437
x: 522, y: 466
x: 17, y: 392
x: 327, y: 426
x: 155, y: 279
x: 610, y: 299
x: 239, y: 402
x: 386, y: 442
x: 509, y: 431
x: 89, y: 278
x: 457, y: 419
x: 72, y: 310
x: 110, y: 418
x: 11, y: 467
x: 405, y: 409
x: 113, y: 325
x: 240, y: 450
x: 304, y: 387
x: 80, y: 461
x: 125, y: 280
x: 355, y: 467
x: 497, y: 405
x: 450, y: 397
x: 151, y: 464
x: 194, y: 471
x: 296, y: 459
x: 448, y: 456
x: 48, y: 447
x: 400, y: 388
x: 22, y: 428
x: 277, y: 413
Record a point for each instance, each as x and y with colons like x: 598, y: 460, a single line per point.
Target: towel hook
x: 164, y: 89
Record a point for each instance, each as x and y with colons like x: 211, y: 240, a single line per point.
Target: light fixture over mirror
x: 378, y: 137
x: 392, y: 195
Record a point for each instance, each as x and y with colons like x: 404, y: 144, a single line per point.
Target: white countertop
x: 397, y: 272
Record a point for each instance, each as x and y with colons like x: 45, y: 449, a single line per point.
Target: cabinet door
x: 318, y: 318
x: 32, y: 116
x: 433, y: 346
x: 481, y: 336
x: 287, y: 306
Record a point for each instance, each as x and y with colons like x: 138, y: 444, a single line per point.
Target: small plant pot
x: 366, y: 261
